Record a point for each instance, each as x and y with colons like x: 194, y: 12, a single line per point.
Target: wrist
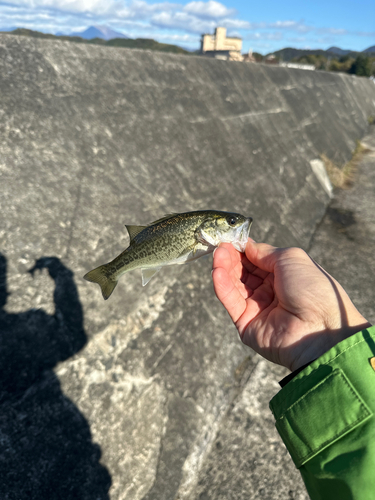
x: 325, y: 341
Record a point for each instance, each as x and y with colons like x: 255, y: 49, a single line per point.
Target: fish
x: 174, y: 239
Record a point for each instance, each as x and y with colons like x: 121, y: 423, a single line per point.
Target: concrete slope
x: 345, y: 240
x: 126, y: 398
x: 344, y: 245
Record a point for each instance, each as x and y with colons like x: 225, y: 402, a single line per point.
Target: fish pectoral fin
x: 198, y: 250
x: 148, y: 273
x: 134, y: 230
x: 202, y: 249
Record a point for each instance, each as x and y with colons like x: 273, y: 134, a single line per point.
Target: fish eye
x: 231, y: 220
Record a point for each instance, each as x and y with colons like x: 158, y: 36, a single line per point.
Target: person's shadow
x: 46, y: 450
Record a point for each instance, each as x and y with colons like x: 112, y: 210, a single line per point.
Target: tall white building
x: 222, y: 47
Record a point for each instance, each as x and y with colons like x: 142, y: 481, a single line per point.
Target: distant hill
x: 147, y: 44
x: 138, y: 43
x: 98, y: 32
x: 289, y: 53
x: 338, y: 51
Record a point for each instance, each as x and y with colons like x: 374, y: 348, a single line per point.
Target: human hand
x: 284, y: 305
x: 54, y: 266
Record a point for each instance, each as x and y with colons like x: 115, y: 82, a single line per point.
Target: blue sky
x: 264, y: 26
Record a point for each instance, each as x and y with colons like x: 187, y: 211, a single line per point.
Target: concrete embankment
x: 127, y: 398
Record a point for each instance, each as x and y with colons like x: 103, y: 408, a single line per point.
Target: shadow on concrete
x: 46, y: 446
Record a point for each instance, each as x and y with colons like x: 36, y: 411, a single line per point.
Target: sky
x: 264, y: 26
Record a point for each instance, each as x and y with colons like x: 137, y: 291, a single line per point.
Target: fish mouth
x: 243, y: 233
x: 248, y: 225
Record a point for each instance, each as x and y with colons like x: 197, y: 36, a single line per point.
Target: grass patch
x: 343, y: 177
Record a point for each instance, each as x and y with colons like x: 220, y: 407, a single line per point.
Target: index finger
x: 228, y: 294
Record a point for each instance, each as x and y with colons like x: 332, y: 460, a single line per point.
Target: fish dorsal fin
x: 134, y: 230
x: 168, y: 216
x: 148, y: 273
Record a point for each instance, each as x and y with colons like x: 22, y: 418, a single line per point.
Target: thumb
x: 262, y: 255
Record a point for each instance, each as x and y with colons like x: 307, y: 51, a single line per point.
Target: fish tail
x: 100, y: 276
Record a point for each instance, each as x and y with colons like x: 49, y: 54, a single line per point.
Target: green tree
x: 335, y: 65
x: 343, y: 59
x: 361, y: 66
x: 342, y: 66
x: 318, y: 60
x: 258, y: 57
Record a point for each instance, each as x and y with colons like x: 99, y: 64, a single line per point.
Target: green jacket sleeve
x: 325, y: 416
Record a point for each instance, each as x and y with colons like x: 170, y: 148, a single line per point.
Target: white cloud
x: 284, y: 24
x: 96, y: 7
x: 299, y: 39
x: 178, y: 38
x: 139, y: 9
x: 264, y: 36
x: 332, y: 31
x: 235, y: 24
x: 364, y: 33
x: 182, y: 21
x: 92, y: 6
x: 299, y: 26
x: 210, y: 9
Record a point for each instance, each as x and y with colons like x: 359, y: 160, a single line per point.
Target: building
x: 271, y: 59
x: 249, y: 57
x: 221, y: 47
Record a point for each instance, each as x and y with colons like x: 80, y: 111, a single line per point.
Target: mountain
x: 147, y: 44
x: 97, y: 32
x: 138, y: 43
x: 339, y: 52
x: 289, y: 53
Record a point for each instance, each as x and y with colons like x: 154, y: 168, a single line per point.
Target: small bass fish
x: 174, y: 239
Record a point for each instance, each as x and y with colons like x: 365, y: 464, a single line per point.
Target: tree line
x: 362, y: 65
x: 355, y: 64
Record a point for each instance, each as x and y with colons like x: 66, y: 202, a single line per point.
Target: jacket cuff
x: 328, y: 399
x: 291, y: 376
